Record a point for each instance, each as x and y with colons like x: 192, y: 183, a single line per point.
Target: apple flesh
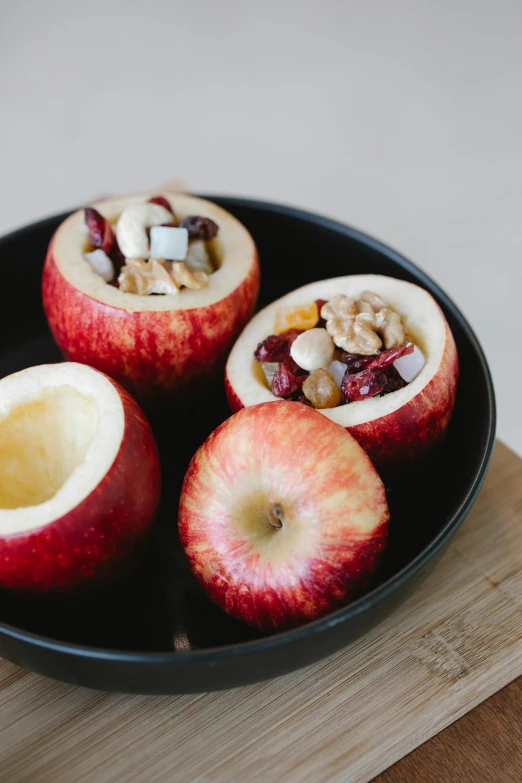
x: 282, y: 516
x: 160, y: 348
x: 397, y: 430
x: 79, y: 480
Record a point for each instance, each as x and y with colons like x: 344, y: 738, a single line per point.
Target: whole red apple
x: 160, y: 348
x: 399, y: 429
x: 282, y: 516
x: 79, y: 479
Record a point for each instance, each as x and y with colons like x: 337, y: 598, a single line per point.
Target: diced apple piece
x: 168, y: 242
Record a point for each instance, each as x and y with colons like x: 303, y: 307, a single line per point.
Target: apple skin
x: 405, y: 438
x: 98, y: 541
x: 401, y: 441
x: 157, y: 356
x: 327, y: 479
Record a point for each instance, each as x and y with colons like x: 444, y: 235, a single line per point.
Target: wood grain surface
x: 349, y: 717
x: 484, y: 746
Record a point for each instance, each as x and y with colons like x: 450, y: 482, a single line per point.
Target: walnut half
x: 158, y: 276
x: 357, y: 326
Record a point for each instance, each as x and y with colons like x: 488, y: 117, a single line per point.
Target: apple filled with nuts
x: 282, y: 516
x: 79, y: 480
x: 372, y: 353
x: 151, y: 291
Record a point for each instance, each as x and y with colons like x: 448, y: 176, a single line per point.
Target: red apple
x: 396, y: 430
x: 158, y: 347
x: 79, y: 479
x: 282, y: 516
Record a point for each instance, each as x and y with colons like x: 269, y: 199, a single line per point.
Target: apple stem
x: 275, y: 515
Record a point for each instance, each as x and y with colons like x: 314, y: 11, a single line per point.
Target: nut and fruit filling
x: 330, y: 353
x: 150, y: 250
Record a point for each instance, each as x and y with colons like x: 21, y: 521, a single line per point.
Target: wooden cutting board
x: 453, y: 644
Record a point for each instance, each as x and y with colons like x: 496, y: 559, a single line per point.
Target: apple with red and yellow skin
x: 79, y: 480
x: 282, y: 516
x: 160, y: 348
x: 397, y: 430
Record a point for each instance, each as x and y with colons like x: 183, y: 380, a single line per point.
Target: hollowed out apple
x: 398, y: 429
x: 158, y: 347
x: 282, y: 516
x: 79, y: 479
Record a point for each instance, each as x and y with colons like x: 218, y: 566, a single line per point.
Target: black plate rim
x: 375, y: 595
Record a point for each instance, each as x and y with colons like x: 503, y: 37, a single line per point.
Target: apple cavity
x: 162, y: 348
x: 398, y: 429
x: 282, y: 516
x: 79, y: 479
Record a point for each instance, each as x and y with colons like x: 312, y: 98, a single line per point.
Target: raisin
x: 276, y: 347
x: 199, y: 227
x: 101, y: 234
x: 360, y: 385
x: 285, y: 382
x: 386, y: 358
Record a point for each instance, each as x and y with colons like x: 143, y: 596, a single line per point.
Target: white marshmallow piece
x: 409, y: 366
x: 132, y: 225
x: 101, y: 263
x: 313, y: 349
x: 270, y: 369
x: 337, y: 371
x: 168, y: 242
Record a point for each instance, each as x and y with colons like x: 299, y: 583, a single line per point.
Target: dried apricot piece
x: 300, y: 317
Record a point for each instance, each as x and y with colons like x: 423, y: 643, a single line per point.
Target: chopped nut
x: 158, y: 276
x: 182, y: 275
x: 355, y: 325
x: 146, y: 277
x: 312, y: 349
x: 320, y: 389
x: 163, y: 282
x: 374, y: 300
x: 391, y: 328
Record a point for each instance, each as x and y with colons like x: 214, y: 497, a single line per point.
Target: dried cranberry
x: 386, y: 358
x: 199, y: 227
x: 304, y: 400
x: 101, y: 234
x: 276, y: 347
x: 360, y: 385
x: 355, y: 362
x: 293, y: 366
x: 394, y: 381
x: 321, y: 323
x: 164, y: 203
x: 285, y: 382
x: 117, y: 257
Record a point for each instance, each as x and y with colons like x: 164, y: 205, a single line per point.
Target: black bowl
x: 157, y: 632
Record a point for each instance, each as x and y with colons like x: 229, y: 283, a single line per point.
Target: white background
x: 401, y: 117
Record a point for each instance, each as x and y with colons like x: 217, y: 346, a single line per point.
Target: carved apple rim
x: 417, y: 414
